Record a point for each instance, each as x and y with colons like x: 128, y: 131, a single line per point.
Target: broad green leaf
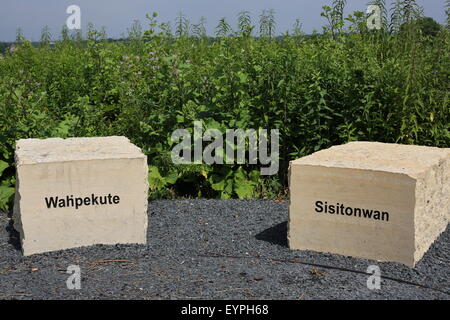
x: 6, y: 194
x: 155, y: 180
x: 219, y: 186
x: 3, y: 166
x: 244, y: 189
x: 171, y: 178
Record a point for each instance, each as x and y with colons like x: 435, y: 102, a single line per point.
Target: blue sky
x: 117, y: 15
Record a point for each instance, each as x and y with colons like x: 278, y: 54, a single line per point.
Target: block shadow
x: 14, y: 236
x: 275, y: 235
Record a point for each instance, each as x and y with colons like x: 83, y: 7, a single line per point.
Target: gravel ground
x: 214, y: 249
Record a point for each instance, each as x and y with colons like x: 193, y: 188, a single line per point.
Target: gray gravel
x: 214, y: 249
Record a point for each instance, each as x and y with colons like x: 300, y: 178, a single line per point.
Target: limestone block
x: 386, y: 202
x: 78, y: 192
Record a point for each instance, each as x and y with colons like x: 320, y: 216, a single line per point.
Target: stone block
x: 386, y: 202
x: 79, y: 191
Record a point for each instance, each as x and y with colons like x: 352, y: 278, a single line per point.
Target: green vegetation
x: 346, y: 84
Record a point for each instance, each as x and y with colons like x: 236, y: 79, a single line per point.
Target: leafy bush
x: 320, y: 90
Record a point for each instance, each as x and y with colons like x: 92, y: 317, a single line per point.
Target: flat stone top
x: 30, y: 151
x: 408, y: 159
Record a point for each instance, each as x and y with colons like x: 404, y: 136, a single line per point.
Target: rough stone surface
x: 215, y: 249
x: 404, y: 189
x: 79, y: 191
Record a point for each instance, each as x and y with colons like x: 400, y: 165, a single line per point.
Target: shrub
x: 318, y: 91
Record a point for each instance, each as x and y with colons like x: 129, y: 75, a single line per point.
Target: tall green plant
x: 404, y: 12
x: 447, y: 12
x: 223, y: 29
x: 335, y: 17
x: 245, y: 24
x: 46, y: 36
x: 267, y: 23
x: 199, y: 29
x: 19, y: 35
x: 135, y: 32
x: 182, y: 25
x: 297, y: 28
x: 65, y: 34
